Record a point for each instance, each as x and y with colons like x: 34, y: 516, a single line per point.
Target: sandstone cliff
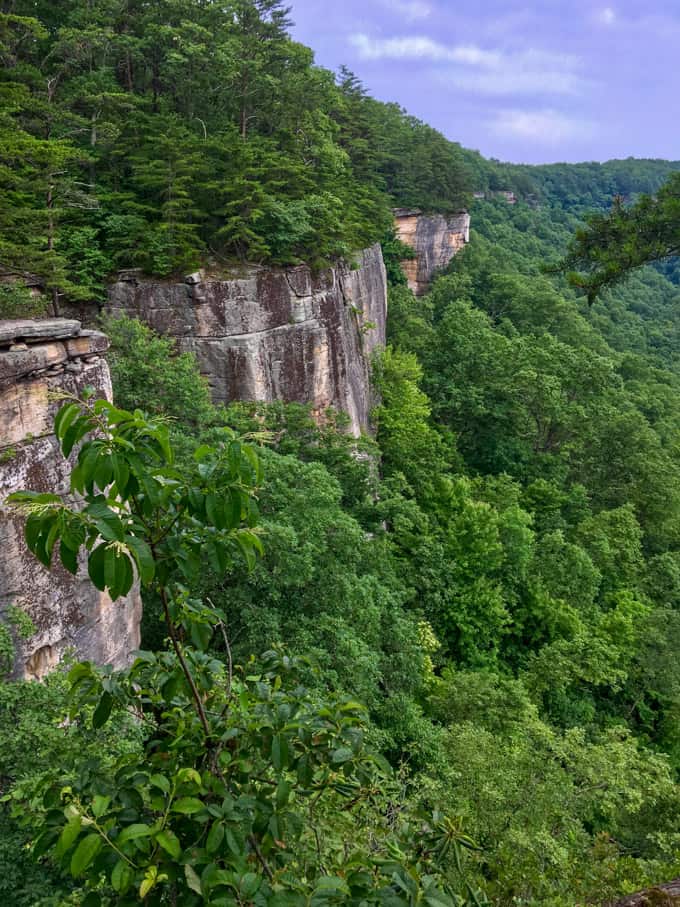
x: 435, y: 239
x: 37, y: 361
x: 274, y: 333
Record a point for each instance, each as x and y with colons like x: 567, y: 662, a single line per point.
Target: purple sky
x: 555, y: 80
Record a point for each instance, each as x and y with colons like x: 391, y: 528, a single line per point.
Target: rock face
x: 274, y: 333
x: 435, y: 239
x: 663, y: 896
x: 39, y: 359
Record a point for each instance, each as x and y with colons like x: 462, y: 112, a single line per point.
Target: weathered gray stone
x: 14, y: 364
x: 28, y: 329
x: 69, y: 613
x: 276, y: 334
x: 435, y: 239
x: 87, y: 343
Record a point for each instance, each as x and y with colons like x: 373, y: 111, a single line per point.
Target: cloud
x: 411, y: 10
x: 606, y: 16
x: 475, y: 69
x: 547, y: 127
x: 421, y: 48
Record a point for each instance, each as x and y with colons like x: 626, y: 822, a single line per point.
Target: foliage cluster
x: 166, y: 135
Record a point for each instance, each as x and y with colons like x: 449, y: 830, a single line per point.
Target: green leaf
x: 215, y: 838
x: 342, y: 754
x: 143, y: 557
x: 64, y: 418
x: 249, y: 884
x: 121, y: 473
x: 283, y: 790
x: 138, y: 830
x: 213, y: 510
x: 149, y: 881
x: 170, y: 843
x: 108, y: 523
x: 85, y: 853
x: 187, y: 805
x: 193, y: 880
x: 102, y: 712
x: 279, y: 752
x: 68, y: 835
x: 95, y: 566
x: 122, y: 876
x: 68, y: 557
x: 100, y: 804
x: 76, y: 432
x: 43, y: 843
x: 201, y: 634
x: 161, y: 782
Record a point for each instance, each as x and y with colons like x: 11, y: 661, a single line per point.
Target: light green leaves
x: 169, y: 841
x: 187, y: 805
x: 85, y: 853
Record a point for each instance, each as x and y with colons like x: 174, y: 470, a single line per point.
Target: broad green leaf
x: 249, y: 884
x: 85, y: 853
x: 102, y: 712
x: 187, y: 805
x: 122, y: 876
x: 68, y: 557
x: 100, y: 804
x: 170, y: 843
x: 341, y: 754
x: 283, y: 790
x: 279, y: 752
x: 143, y: 557
x: 215, y: 838
x: 95, y: 566
x: 138, y: 830
x: 68, y: 835
x: 161, y: 782
x: 64, y: 418
x: 193, y: 880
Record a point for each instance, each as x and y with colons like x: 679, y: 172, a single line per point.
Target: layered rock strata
x: 39, y: 360
x: 274, y: 333
x: 435, y: 240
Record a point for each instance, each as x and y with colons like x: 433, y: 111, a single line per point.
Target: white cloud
x: 547, y: 127
x: 417, y: 47
x: 479, y: 70
x: 411, y: 10
x: 506, y: 84
x: 606, y: 16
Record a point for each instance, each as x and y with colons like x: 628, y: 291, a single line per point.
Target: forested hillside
x: 164, y: 135
x: 471, y: 692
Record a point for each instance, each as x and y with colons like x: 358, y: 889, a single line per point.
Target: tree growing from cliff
x: 246, y: 788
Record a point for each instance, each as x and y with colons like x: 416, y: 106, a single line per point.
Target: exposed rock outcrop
x: 274, y: 333
x: 663, y: 896
x: 39, y: 360
x: 435, y: 240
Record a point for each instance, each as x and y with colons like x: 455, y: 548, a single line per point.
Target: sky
x: 532, y: 82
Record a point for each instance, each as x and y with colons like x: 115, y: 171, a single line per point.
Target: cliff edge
x: 39, y: 360
x: 434, y: 238
x: 274, y: 333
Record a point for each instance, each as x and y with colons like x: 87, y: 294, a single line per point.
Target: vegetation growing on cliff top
x: 163, y: 135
